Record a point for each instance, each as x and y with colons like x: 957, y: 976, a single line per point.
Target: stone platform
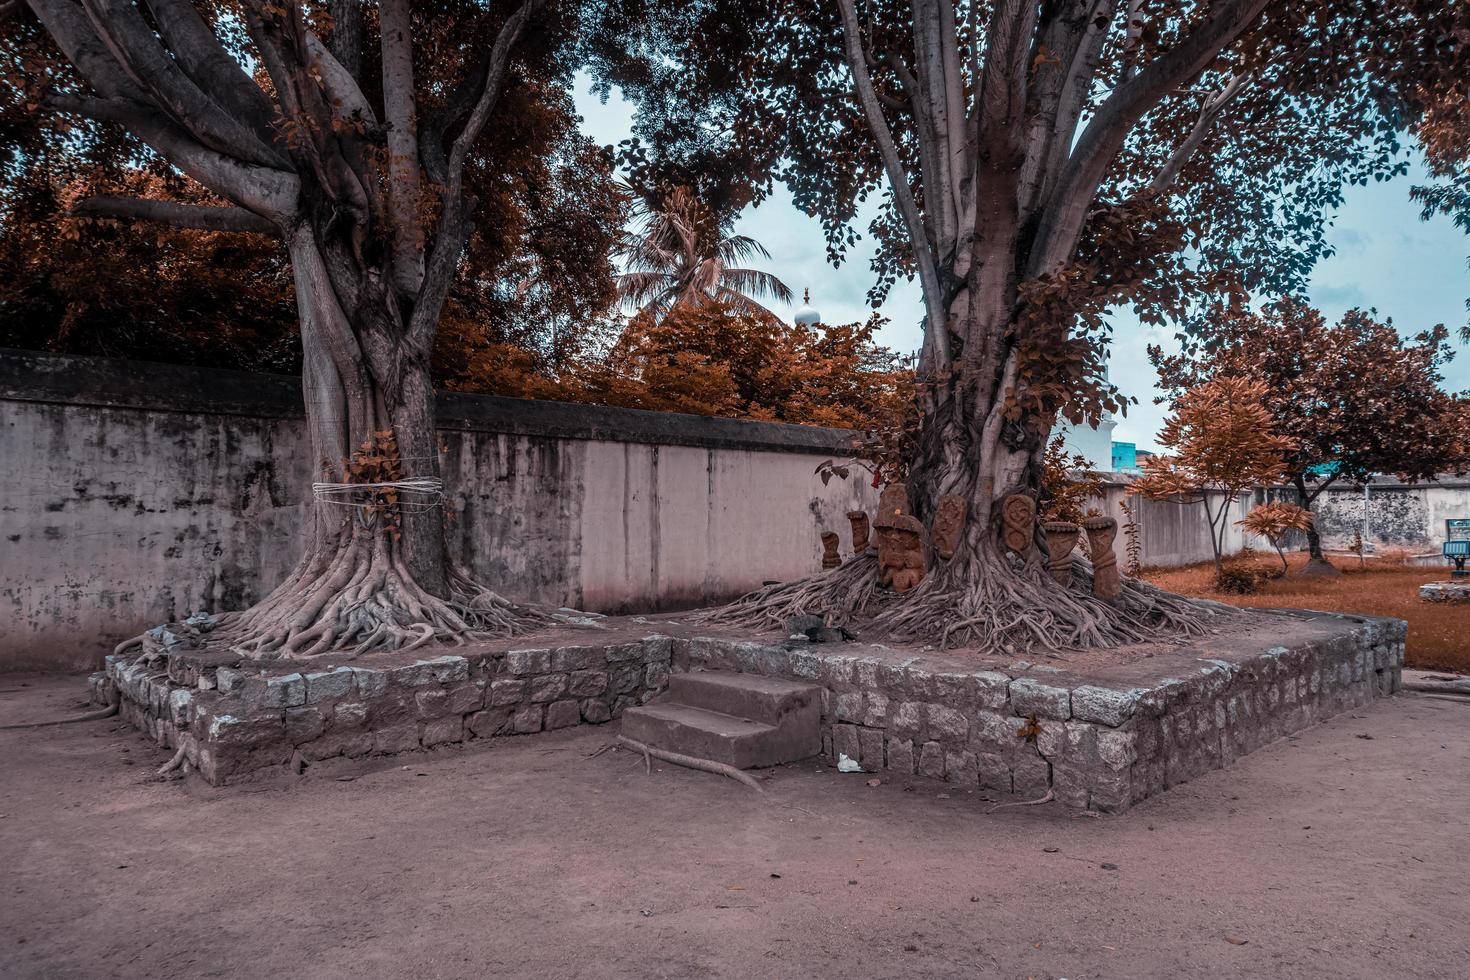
x: 1100, y: 730
x: 1453, y: 590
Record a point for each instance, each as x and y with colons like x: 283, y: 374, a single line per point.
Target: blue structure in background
x: 1125, y: 457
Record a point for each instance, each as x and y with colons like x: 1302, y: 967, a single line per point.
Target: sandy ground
x: 1326, y: 854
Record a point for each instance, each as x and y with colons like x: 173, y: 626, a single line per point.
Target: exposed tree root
x: 838, y: 595
x: 107, y: 712
x: 691, y: 762
x: 176, y: 761
x: 359, y: 599
x: 990, y: 602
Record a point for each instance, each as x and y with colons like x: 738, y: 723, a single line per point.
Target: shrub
x: 1245, y: 573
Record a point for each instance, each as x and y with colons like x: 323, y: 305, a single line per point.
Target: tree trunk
x: 375, y: 571
x: 1317, y: 563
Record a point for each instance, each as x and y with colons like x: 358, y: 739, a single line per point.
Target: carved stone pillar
x: 949, y: 525
x: 901, y: 559
x: 859, y: 521
x: 1061, y: 538
x: 830, y: 557
x: 1106, y: 582
x: 1018, y: 522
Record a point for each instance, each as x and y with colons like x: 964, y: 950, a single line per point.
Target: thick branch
x: 73, y: 33
x: 198, y: 50
x: 341, y: 87
x: 176, y: 213
x: 510, y: 33
x: 268, y: 193
x: 134, y: 45
x: 936, y: 334
x: 1068, y: 50
x: 1067, y: 206
x: 347, y: 34
x: 404, y: 179
x: 1185, y: 150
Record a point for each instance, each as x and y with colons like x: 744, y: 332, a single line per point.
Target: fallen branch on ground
x: 691, y: 762
x: 1045, y: 799
x: 97, y: 715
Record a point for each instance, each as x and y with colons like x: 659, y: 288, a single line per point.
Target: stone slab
x: 1454, y: 590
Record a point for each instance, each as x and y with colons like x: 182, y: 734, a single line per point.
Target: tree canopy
x: 1356, y: 396
x: 537, y: 274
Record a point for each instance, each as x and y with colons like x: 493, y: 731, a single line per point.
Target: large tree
x: 1041, y: 162
x: 1356, y: 397
x: 354, y: 133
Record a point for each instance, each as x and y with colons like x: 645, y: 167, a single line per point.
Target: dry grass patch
x: 1439, y: 634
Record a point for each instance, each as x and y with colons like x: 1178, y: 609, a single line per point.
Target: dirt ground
x: 1339, y: 852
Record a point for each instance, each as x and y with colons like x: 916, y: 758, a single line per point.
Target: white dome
x: 807, y: 316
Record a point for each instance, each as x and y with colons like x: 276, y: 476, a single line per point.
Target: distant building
x: 1094, y: 443
x: 1125, y: 457
x: 807, y: 316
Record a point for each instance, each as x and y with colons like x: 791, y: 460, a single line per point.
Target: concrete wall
x: 1399, y: 515
x: 1170, y: 532
x: 131, y: 494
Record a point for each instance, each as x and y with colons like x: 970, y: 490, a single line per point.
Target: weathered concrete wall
x: 132, y: 494
x: 1399, y: 515
x: 1173, y: 533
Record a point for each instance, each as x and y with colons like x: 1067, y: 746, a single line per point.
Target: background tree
x: 717, y: 359
x: 1357, y: 398
x: 682, y: 255
x: 356, y: 137
x: 1043, y: 162
x: 1221, y: 445
x: 1274, y: 520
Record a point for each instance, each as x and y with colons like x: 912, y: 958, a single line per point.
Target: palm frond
x: 756, y: 282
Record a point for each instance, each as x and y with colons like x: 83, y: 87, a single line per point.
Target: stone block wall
x: 1094, y: 743
x: 235, y: 720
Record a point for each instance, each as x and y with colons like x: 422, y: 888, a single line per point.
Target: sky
x: 1411, y: 270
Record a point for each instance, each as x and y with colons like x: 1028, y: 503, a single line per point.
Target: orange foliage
x: 1222, y: 443
x: 1273, y: 520
x: 711, y: 359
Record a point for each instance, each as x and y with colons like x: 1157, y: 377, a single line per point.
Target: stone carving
x: 1106, y: 582
x: 830, y: 543
x: 859, y: 519
x: 892, y: 502
x: 900, y: 552
x: 949, y: 524
x: 1061, y: 538
x: 1018, y: 522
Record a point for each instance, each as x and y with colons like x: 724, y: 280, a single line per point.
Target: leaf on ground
x: 1236, y: 940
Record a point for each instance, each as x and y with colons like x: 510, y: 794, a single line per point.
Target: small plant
x: 1067, y: 484
x: 1273, y: 521
x: 376, y: 461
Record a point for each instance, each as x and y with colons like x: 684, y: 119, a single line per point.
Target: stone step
x: 765, y: 699
x: 739, y: 742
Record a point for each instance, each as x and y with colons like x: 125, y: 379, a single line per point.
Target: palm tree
x: 679, y: 255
